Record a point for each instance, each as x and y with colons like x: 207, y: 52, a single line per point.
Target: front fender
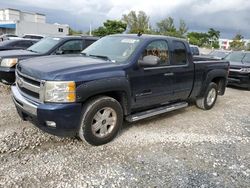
x: 96, y: 87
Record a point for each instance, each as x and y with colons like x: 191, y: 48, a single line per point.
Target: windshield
x: 235, y: 56
x: 115, y: 48
x: 44, y: 45
x: 219, y: 54
x: 247, y: 58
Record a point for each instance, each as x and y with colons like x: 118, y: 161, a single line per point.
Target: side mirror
x: 149, y: 61
x: 59, y: 52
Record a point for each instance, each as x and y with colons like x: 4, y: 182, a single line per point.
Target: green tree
x: 167, y: 27
x: 248, y: 46
x: 237, y: 43
x: 182, y: 28
x: 214, y: 36
x: 137, y: 22
x: 110, y: 27
x: 74, y: 32
x: 199, y: 39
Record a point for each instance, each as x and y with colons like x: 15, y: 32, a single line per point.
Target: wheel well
x: 221, y: 83
x: 120, y: 96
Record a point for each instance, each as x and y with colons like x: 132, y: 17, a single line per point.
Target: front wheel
x: 208, y: 100
x: 102, y: 118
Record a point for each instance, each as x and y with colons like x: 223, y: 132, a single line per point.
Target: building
x: 17, y: 22
x: 225, y: 43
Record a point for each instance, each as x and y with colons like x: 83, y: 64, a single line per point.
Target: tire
x: 209, y: 99
x: 102, y: 118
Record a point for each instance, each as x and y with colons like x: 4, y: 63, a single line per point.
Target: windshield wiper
x: 98, y: 56
x: 32, y: 51
x: 101, y: 57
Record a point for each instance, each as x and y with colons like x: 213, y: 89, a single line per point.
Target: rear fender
x: 214, y: 75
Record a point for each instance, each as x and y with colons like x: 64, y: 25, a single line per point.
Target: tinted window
x: 23, y: 44
x: 179, y: 54
x: 36, y: 37
x: 44, y: 45
x: 88, y: 42
x: 195, y: 50
x: 32, y: 37
x: 72, y: 47
x: 158, y: 48
x: 247, y: 58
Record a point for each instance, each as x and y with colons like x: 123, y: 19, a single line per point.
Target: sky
x: 228, y: 16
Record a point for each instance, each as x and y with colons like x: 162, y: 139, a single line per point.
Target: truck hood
x: 234, y: 64
x: 64, y: 67
x: 16, y: 53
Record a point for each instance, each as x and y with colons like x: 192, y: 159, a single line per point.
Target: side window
x: 88, y: 42
x: 23, y: 44
x: 179, y: 53
x: 72, y: 47
x: 158, y: 48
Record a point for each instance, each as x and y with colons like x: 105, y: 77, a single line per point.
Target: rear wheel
x: 208, y: 100
x: 102, y: 118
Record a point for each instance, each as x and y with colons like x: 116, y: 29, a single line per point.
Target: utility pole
x: 90, y: 29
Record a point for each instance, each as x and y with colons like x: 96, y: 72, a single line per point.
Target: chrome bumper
x: 22, y: 102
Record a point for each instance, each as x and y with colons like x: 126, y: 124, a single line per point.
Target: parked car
x: 239, y: 74
x: 16, y: 44
x: 46, y: 46
x: 219, y: 54
x: 7, y: 37
x: 195, y: 50
x: 33, y: 36
x: 118, y: 77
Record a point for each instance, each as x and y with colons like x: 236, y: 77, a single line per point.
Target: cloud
x: 229, y: 16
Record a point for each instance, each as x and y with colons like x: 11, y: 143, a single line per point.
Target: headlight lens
x: 57, y: 91
x: 9, y: 62
x: 245, y: 70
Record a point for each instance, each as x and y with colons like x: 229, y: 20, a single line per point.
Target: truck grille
x: 28, y: 86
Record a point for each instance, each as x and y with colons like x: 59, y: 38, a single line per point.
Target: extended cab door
x: 153, y: 85
x: 182, y: 70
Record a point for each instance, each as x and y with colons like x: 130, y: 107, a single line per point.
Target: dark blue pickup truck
x: 118, y: 77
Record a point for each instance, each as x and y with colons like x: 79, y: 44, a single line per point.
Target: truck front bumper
x: 238, y: 79
x: 7, y: 75
x: 57, y: 119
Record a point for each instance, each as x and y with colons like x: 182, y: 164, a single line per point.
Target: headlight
x: 9, y: 62
x: 245, y: 70
x: 56, y: 91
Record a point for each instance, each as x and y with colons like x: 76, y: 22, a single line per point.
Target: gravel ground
x: 186, y: 148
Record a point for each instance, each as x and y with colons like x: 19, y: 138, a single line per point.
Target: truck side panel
x: 206, y: 72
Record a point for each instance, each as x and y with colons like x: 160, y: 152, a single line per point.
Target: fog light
x: 50, y: 124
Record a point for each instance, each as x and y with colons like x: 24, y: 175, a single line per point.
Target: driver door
x: 153, y: 85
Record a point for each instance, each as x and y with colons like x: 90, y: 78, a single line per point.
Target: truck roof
x: 75, y: 37
x: 146, y: 36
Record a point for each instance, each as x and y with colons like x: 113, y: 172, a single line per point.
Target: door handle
x: 144, y: 92
x: 169, y: 74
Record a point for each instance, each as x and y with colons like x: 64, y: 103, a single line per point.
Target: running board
x: 156, y: 111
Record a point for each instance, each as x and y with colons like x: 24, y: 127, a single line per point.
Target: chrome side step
x: 156, y: 111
